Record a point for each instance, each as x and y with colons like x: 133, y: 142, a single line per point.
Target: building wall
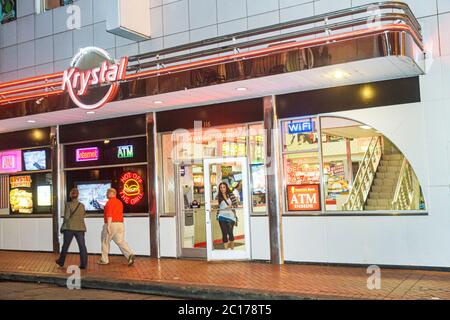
x: 42, y: 43
x: 39, y: 44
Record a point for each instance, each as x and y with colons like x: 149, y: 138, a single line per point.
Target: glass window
x: 355, y: 168
x: 45, y: 5
x: 92, y: 184
x: 257, y: 168
x: 8, y: 11
x: 364, y: 171
x: 168, y: 174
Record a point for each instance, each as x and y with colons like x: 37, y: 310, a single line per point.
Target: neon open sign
x: 87, y: 154
x: 76, y: 81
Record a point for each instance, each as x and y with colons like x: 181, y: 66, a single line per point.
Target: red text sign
x: 131, y: 188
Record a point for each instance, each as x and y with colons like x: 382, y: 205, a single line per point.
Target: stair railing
x: 365, y: 176
x: 407, y: 192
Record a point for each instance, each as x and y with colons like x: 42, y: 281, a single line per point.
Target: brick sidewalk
x: 201, y: 279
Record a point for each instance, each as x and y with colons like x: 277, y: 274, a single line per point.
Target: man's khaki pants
x: 117, y: 235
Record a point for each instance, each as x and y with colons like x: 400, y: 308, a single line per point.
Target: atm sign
x: 304, y: 197
x: 125, y: 152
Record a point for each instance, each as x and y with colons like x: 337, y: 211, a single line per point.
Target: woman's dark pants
x: 227, y: 230
x: 68, y: 237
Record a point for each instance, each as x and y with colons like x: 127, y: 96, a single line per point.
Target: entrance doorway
x: 204, y: 231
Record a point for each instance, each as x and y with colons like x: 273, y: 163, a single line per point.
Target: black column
x: 152, y: 185
x: 273, y: 197
x: 55, y: 187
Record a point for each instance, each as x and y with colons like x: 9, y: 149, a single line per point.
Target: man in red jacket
x: 113, y: 229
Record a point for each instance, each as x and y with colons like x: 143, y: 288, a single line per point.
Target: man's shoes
x: 59, y: 264
x: 101, y: 262
x: 131, y: 259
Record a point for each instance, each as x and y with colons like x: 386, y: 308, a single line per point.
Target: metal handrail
x: 406, y: 17
x: 362, y: 173
x: 408, y: 188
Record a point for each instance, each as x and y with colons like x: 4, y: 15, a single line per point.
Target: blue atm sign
x: 304, y: 126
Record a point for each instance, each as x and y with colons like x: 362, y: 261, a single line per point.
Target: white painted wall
x: 137, y: 234
x: 168, y: 237
x: 27, y: 234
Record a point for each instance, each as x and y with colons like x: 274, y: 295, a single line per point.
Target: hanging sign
x: 304, y: 197
x: 10, y: 161
x: 131, y: 188
x: 20, y: 182
x: 93, y: 67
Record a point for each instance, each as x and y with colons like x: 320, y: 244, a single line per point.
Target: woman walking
x: 74, y: 226
x: 226, y: 214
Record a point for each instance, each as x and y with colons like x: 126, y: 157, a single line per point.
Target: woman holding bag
x: 74, y: 226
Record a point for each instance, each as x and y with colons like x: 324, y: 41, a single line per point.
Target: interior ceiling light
x: 158, y: 102
x: 90, y: 112
x: 31, y: 121
x: 241, y: 89
x: 365, y: 127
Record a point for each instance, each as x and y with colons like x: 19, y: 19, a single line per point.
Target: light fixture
x: 339, y: 75
x: 90, y: 112
x: 367, y: 92
x: 31, y: 121
x: 241, y: 89
x: 106, y: 141
x: 365, y: 127
x: 158, y: 102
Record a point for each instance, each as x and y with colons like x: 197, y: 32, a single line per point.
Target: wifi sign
x: 306, y: 126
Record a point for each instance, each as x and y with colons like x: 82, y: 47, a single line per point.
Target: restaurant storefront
x: 317, y: 172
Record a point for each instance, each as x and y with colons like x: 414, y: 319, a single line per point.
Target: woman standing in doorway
x: 226, y: 214
x: 74, y: 226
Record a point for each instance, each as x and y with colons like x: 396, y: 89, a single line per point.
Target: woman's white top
x: 225, y: 210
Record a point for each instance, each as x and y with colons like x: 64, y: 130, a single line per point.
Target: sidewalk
x: 228, y: 280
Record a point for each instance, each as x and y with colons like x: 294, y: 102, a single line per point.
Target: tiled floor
x: 298, y: 280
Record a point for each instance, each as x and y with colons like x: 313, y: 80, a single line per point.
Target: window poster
x: 8, y: 10
x: 304, y: 197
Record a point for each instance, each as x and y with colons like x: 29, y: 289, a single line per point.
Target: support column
x: 55, y: 187
x: 273, y: 196
x: 152, y: 185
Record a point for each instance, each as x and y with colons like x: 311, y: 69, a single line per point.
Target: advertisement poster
x: 20, y: 182
x: 44, y: 195
x: 8, y: 10
x: 10, y: 161
x: 304, y: 197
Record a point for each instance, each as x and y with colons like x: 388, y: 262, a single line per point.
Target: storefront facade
x: 326, y: 146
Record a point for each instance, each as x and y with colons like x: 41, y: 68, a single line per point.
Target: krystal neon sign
x: 132, y: 188
x: 87, y: 154
x: 93, y: 67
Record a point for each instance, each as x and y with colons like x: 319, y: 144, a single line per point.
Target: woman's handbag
x: 64, y: 226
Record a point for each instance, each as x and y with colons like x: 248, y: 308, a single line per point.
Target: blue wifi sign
x: 304, y: 126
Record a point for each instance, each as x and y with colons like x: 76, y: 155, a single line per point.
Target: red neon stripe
x: 30, y: 97
x: 31, y: 80
x: 32, y: 88
x: 274, y: 49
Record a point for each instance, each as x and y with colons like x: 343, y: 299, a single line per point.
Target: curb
x: 157, y: 288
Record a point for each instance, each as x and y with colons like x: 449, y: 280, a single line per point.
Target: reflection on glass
x: 300, y: 135
x: 192, y: 202
x: 227, y: 215
x: 257, y: 169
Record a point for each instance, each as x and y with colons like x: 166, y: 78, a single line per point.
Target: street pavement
x: 198, y: 279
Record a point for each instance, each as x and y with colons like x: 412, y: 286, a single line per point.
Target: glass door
x: 227, y: 209
x: 191, y: 213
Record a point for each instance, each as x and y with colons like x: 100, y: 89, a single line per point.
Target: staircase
x: 385, y: 183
